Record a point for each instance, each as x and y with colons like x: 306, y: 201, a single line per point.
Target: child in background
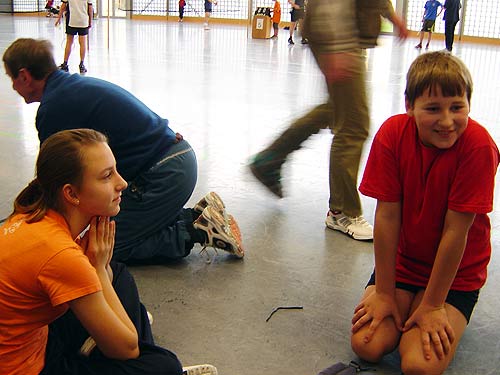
x: 429, y: 19
x: 51, y: 10
x: 182, y: 4
x: 432, y: 171
x: 276, y: 18
x: 208, y: 12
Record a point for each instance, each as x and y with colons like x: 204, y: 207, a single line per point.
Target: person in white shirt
x: 78, y: 22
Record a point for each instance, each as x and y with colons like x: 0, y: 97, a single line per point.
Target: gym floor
x: 230, y: 95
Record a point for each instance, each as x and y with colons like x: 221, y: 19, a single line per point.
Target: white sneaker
x: 356, y: 227
x: 206, y: 27
x: 200, y: 370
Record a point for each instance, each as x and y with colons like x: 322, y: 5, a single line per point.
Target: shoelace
x: 360, y: 220
x: 344, y: 221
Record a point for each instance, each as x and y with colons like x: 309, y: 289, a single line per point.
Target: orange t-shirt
x: 41, y: 269
x: 277, y: 12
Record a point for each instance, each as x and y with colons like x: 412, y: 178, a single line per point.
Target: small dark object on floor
x: 283, y: 308
x: 343, y: 369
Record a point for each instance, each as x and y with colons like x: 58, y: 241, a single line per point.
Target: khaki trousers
x: 346, y: 114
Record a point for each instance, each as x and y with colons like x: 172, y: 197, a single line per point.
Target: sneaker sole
x: 348, y: 232
x: 200, y: 370
x: 214, y: 230
x: 213, y: 199
x: 272, y: 188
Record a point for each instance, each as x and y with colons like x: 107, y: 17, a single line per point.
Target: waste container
x: 261, y: 23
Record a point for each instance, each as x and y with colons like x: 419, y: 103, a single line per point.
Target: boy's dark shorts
x: 428, y: 26
x: 462, y: 301
x: 297, y: 14
x: 77, y: 30
x: 275, y: 25
x: 208, y: 8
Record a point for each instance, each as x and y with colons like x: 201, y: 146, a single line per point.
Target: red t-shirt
x: 41, y: 269
x: 429, y: 181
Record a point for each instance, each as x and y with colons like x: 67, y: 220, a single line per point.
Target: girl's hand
x: 373, y: 310
x: 99, y: 241
x: 435, y: 327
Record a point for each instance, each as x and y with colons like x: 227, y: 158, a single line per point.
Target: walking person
x: 337, y: 47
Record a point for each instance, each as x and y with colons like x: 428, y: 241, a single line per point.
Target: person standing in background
x: 297, y: 15
x: 451, y: 18
x: 208, y: 12
x: 276, y: 18
x: 182, y: 4
x: 428, y: 20
x: 78, y: 22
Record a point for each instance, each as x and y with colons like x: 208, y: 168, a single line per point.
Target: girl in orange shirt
x: 49, y: 278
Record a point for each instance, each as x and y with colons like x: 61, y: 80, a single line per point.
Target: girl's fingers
x: 112, y: 235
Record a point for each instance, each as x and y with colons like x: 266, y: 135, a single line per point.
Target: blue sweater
x: 137, y: 135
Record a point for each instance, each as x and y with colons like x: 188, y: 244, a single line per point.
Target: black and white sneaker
x: 83, y: 69
x: 64, y: 67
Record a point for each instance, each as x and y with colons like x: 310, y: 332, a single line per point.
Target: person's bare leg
x: 82, y: 40
x: 387, y: 335
x: 429, y: 40
x: 411, y: 350
x: 207, y: 18
x: 419, y: 45
x: 292, y: 29
x: 69, y: 44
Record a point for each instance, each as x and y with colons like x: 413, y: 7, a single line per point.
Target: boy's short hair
x: 437, y: 69
x: 35, y: 55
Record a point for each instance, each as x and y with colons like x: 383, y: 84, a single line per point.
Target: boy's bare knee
x: 411, y: 365
x: 367, y: 352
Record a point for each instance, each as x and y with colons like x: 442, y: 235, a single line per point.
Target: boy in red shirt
x: 432, y: 171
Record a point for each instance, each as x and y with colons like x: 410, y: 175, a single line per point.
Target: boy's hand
x: 435, y: 328
x: 373, y: 310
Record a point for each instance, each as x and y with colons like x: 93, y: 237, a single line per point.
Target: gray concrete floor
x: 230, y: 96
